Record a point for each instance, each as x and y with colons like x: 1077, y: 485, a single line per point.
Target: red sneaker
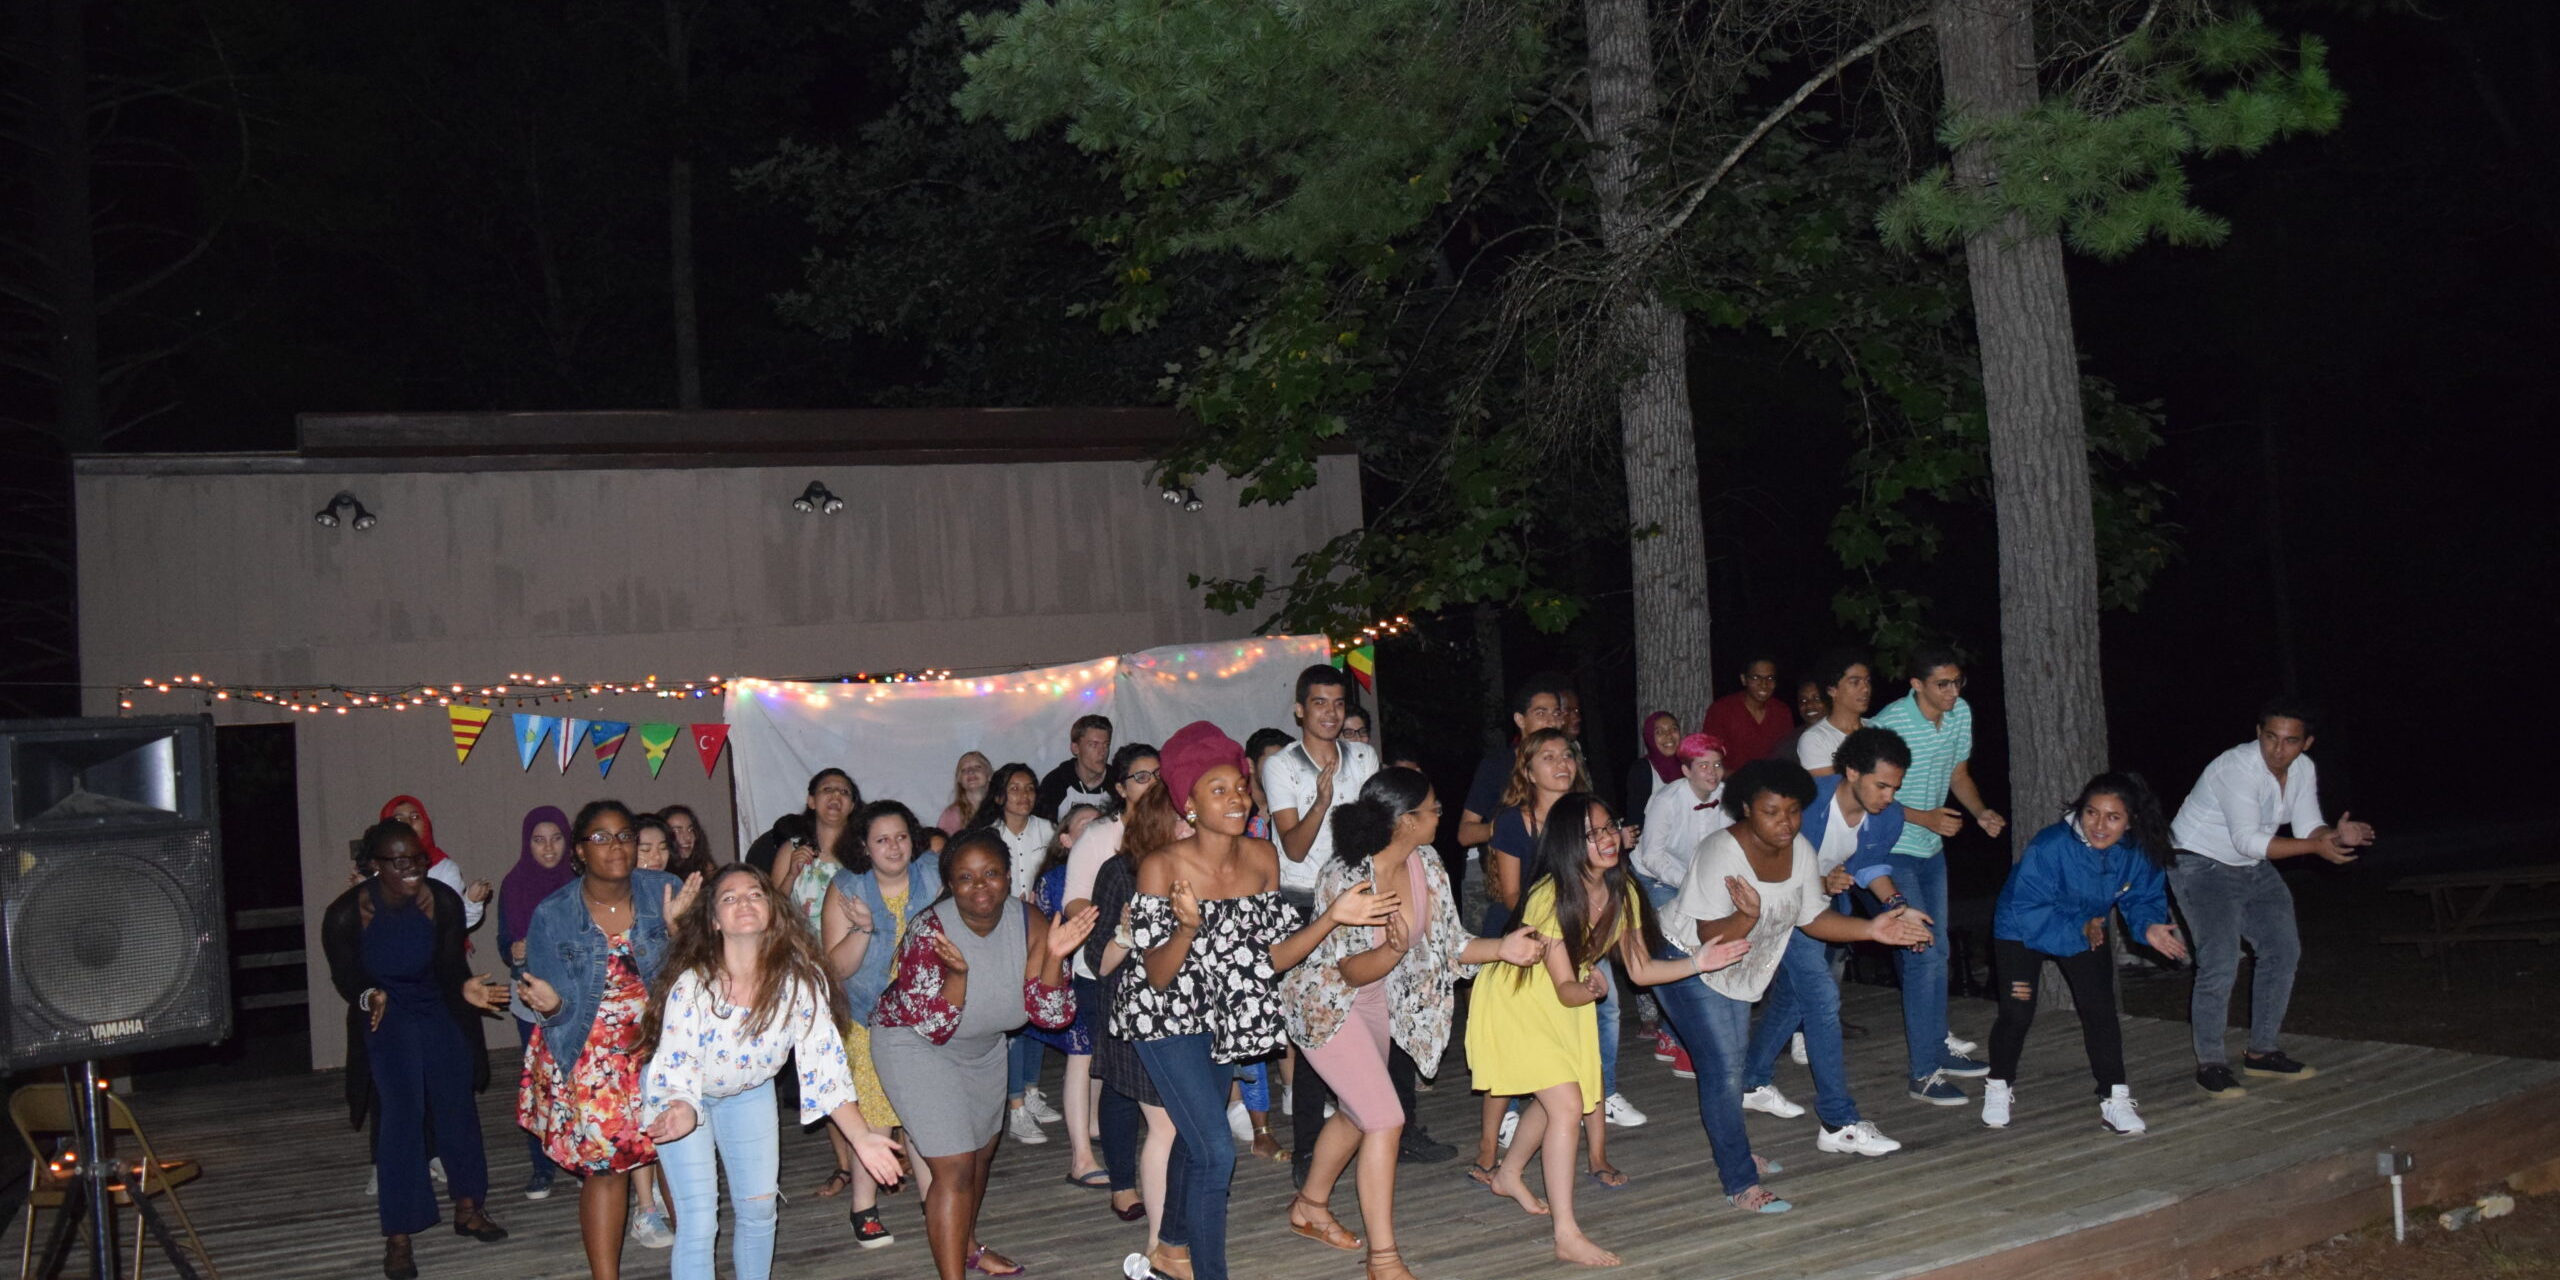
x: 1665, y: 1049
x: 1680, y: 1064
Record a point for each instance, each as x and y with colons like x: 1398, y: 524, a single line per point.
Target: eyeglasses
x: 1139, y: 775
x: 1758, y: 679
x: 612, y: 837
x: 1956, y: 683
x: 394, y: 864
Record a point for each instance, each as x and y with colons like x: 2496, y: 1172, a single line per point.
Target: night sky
x: 2355, y: 384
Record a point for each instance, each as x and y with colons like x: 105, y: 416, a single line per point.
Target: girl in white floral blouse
x: 1361, y: 989
x: 748, y: 993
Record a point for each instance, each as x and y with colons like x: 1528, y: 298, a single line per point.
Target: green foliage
x: 1304, y: 130
x: 2105, y: 167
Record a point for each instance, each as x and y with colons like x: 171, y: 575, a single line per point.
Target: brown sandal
x: 1329, y: 1231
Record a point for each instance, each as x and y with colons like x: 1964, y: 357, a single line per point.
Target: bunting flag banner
x: 709, y: 739
x: 607, y: 735
x: 655, y: 739
x: 1362, y: 663
x: 530, y: 731
x: 467, y: 724
x: 573, y: 735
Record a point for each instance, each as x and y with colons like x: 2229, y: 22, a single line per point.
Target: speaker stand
x: 90, y: 1199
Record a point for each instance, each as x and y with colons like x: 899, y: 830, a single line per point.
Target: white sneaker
x: 1328, y: 1111
x: 1038, y: 1105
x: 1767, y: 1098
x: 2121, y: 1113
x: 1620, y: 1112
x: 1510, y: 1125
x: 1960, y: 1048
x: 1859, y: 1139
x: 651, y: 1231
x: 373, y: 1182
x: 1288, y: 1099
x: 1239, y: 1122
x: 435, y: 1168
x: 1995, y: 1103
x: 1024, y: 1129
x: 1795, y: 1048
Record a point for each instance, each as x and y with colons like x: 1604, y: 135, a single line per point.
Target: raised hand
x: 1186, y: 906
x: 1357, y: 906
x: 2164, y: 939
x: 1066, y: 933
x: 952, y: 960
x: 484, y: 993
x: 1746, y: 899
x: 1523, y: 947
x: 537, y: 995
x: 678, y: 901
x: 1721, y: 954
x: 2354, y: 834
x: 477, y: 892
x: 673, y: 1123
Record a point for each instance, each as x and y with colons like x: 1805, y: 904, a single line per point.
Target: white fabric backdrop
x: 901, y: 741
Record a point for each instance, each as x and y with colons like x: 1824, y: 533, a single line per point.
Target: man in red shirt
x: 1751, y: 722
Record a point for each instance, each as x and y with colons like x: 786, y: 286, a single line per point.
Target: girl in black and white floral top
x: 1213, y: 935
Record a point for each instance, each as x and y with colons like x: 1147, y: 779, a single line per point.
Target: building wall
x: 615, y: 574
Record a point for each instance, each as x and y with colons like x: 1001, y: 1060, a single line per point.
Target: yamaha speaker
x: 113, y: 937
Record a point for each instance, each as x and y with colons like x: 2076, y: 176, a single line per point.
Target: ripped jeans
x: 745, y: 1133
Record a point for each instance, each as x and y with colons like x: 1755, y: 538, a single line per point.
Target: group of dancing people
x: 1183, y: 914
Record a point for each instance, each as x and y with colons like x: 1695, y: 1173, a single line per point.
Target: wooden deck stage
x: 2214, y: 1185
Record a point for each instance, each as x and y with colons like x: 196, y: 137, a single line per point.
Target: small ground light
x: 818, y: 498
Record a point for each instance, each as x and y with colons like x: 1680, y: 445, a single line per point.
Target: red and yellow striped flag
x: 467, y: 724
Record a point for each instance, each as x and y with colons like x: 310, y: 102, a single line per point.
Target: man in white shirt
x: 1678, y: 817
x: 2229, y: 889
x: 1848, y: 688
x: 1305, y: 782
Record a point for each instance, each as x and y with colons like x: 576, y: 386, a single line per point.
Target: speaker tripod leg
x: 168, y: 1243
x: 66, y: 1229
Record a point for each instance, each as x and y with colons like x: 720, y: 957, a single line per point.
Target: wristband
x: 1896, y: 902
x: 364, y: 998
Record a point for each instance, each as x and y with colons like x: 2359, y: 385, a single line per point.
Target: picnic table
x: 2458, y: 904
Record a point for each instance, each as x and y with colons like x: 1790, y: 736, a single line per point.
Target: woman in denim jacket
x: 591, y: 956
x: 865, y: 916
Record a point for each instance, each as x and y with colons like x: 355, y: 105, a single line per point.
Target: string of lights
x: 527, y: 689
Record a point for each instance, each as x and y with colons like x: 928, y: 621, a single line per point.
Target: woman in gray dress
x: 941, y: 1055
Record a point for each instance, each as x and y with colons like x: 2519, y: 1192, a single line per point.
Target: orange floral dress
x: 589, y: 1119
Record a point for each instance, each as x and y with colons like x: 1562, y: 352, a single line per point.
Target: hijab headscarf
x: 1664, y: 767
x: 530, y: 881
x: 426, y: 827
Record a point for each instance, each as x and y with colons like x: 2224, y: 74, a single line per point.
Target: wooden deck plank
x: 282, y: 1196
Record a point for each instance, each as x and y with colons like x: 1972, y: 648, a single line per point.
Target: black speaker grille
x: 115, y: 943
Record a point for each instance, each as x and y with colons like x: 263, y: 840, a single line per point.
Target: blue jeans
x: 1256, y: 1080
x: 1802, y: 997
x: 2223, y: 905
x: 1022, y: 1064
x: 1714, y: 1028
x: 739, y: 1134
x: 1924, y: 972
x: 1194, y: 1089
x: 1612, y: 1015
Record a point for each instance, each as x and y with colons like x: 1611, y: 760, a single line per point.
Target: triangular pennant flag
x: 709, y: 739
x: 654, y: 741
x: 1362, y: 663
x: 607, y: 736
x: 573, y: 735
x: 530, y: 731
x: 467, y: 724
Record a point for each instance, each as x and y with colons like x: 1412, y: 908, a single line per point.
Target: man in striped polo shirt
x: 1935, y: 722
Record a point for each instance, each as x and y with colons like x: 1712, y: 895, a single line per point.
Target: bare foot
x: 1168, y: 1260
x: 1504, y: 1183
x: 1578, y: 1250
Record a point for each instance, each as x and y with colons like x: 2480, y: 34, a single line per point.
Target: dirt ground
x: 2523, y: 1244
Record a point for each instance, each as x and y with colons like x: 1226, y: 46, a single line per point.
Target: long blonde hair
x: 960, y: 790
x: 1520, y: 790
x: 789, y: 956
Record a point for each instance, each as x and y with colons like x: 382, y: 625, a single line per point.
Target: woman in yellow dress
x: 1533, y: 1032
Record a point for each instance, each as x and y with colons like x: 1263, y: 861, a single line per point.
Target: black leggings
x: 2090, y: 973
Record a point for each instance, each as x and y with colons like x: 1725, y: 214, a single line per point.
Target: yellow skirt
x: 867, y: 1093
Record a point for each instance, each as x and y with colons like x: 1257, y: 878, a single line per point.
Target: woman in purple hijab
x: 542, y: 866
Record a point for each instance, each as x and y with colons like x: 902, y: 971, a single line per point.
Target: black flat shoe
x: 398, y: 1263
x: 481, y: 1228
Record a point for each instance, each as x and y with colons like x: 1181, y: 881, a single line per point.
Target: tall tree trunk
x: 61, y: 119
x: 2057, y: 714
x: 1658, y: 442
x: 680, y: 286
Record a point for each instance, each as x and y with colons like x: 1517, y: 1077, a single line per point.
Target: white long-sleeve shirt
x: 1674, y: 822
x: 450, y: 872
x: 704, y: 1051
x: 2237, y: 806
